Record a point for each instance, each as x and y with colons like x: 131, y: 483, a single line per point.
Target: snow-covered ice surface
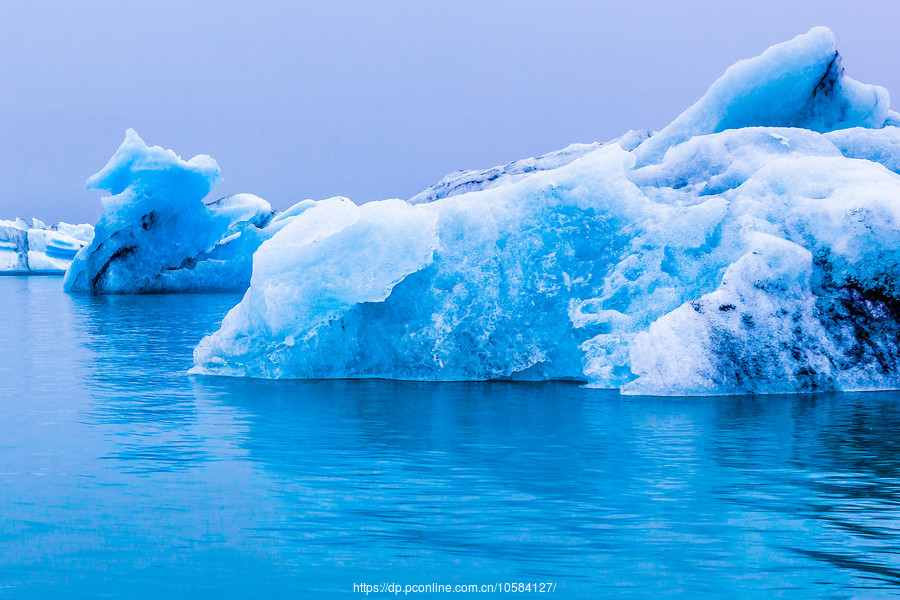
x: 877, y: 145
x: 461, y: 182
x: 38, y: 248
x: 751, y: 246
x: 156, y: 234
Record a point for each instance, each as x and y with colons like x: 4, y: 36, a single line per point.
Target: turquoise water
x: 123, y: 477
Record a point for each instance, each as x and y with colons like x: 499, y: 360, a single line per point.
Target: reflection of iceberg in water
x: 834, y: 487
x: 101, y: 475
x: 449, y: 476
x: 528, y: 479
x: 123, y: 334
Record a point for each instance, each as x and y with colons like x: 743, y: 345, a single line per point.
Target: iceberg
x: 156, y: 234
x: 39, y: 248
x: 751, y: 246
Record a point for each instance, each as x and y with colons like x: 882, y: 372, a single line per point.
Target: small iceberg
x: 40, y: 249
x: 156, y: 234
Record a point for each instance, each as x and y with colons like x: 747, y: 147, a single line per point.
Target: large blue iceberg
x: 752, y: 246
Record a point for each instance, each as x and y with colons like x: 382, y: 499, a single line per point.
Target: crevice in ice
x: 121, y: 252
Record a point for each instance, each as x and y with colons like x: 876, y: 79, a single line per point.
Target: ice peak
x: 136, y: 162
x: 798, y: 83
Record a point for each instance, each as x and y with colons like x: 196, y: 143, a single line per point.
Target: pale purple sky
x: 368, y: 99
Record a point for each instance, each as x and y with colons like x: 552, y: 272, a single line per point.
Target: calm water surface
x: 123, y: 477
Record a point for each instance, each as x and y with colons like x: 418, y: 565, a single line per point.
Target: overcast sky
x: 369, y: 99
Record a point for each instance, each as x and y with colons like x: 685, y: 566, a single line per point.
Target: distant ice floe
x: 41, y: 249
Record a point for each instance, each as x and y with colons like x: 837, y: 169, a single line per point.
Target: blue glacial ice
x: 38, y: 248
x: 156, y: 234
x: 752, y: 246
